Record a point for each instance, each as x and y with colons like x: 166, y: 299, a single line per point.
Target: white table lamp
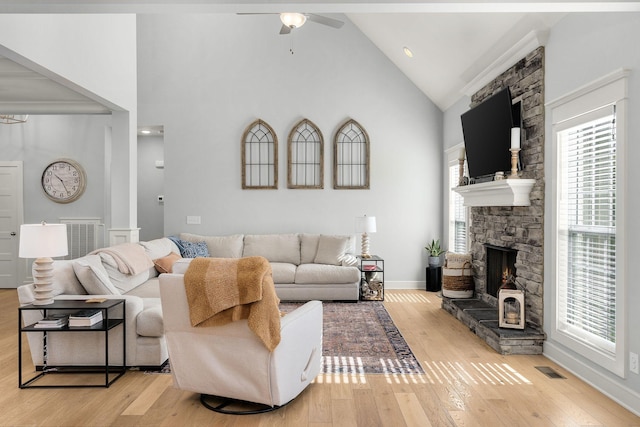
x: 43, y: 241
x: 365, y: 224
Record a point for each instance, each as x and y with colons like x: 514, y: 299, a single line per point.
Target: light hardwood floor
x: 466, y: 383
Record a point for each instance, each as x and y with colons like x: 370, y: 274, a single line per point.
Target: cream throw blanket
x: 222, y: 290
x: 130, y: 258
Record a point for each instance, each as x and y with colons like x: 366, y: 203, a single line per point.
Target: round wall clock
x: 64, y: 180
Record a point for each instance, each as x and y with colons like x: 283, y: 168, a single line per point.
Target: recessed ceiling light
x: 145, y: 131
x: 407, y: 52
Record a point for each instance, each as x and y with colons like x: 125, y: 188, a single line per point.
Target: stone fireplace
x: 511, y: 237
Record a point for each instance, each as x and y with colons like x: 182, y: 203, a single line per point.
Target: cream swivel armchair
x: 230, y: 364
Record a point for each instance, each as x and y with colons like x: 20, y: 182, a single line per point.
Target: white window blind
x: 457, y: 214
x: 587, y: 230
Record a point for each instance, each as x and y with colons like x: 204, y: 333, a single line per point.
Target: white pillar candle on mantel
x: 515, y: 138
x: 461, y: 156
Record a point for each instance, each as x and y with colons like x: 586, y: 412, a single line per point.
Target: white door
x: 10, y: 220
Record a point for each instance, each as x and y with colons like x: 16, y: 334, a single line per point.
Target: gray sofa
x: 305, y: 267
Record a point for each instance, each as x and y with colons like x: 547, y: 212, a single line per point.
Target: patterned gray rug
x: 360, y: 338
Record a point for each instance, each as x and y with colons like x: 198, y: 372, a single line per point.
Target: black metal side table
x: 372, y: 278
x: 105, y: 326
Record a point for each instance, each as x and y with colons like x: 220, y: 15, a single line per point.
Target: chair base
x: 243, y: 408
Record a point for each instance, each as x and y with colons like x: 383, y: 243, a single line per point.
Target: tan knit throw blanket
x: 222, y: 290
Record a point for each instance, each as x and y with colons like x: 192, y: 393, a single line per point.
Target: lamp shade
x: 366, y: 224
x: 43, y: 240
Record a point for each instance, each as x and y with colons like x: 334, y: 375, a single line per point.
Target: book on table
x: 53, y: 321
x: 87, y: 317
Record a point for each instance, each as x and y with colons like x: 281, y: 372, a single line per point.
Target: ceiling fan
x: 292, y: 20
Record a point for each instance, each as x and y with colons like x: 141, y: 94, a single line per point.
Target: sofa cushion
x: 149, y: 322
x: 64, y: 280
x: 274, y: 247
x: 308, y: 248
x: 149, y: 289
x: 283, y: 272
x: 323, y: 273
x: 93, y: 276
x: 191, y: 249
x: 331, y: 249
x: 159, y: 248
x: 165, y: 264
x: 219, y: 246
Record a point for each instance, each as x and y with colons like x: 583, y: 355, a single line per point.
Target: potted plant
x: 434, y: 251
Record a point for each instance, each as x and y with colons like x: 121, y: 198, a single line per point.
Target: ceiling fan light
x: 293, y: 20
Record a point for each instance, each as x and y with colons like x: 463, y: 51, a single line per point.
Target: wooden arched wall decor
x: 351, y: 157
x: 305, y: 163
x: 259, y: 157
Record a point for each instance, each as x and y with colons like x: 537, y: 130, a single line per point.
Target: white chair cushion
x: 274, y: 247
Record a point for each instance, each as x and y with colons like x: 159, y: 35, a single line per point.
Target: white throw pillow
x: 93, y: 276
x: 331, y: 249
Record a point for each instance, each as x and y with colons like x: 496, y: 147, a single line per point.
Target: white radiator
x: 84, y: 235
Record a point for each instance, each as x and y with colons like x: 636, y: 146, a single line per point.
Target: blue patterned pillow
x: 189, y: 249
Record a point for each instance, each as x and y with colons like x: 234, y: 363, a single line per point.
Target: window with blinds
x: 587, y: 230
x: 457, y: 213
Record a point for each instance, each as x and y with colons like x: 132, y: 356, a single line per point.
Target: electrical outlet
x: 633, y: 363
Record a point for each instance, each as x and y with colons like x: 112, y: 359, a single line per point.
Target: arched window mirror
x: 259, y: 157
x: 305, y: 166
x: 351, y: 157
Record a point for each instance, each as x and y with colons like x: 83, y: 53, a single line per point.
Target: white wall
x: 95, y: 53
x: 206, y: 77
x: 581, y: 49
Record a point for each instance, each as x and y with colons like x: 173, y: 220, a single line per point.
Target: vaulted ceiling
x: 454, y: 43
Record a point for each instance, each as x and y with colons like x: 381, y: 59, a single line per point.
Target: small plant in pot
x: 434, y: 250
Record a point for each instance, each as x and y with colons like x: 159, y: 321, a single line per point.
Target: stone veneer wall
x: 519, y: 228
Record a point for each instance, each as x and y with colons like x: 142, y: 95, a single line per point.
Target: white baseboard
x: 404, y: 285
x: 625, y: 396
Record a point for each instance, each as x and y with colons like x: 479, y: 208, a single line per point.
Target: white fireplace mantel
x: 505, y: 192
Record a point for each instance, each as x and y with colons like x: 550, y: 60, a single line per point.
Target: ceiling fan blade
x: 285, y: 30
x: 325, y: 20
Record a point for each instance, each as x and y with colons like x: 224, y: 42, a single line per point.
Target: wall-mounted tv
x: 487, y: 134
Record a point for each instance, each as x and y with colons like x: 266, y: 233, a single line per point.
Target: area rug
x: 360, y: 338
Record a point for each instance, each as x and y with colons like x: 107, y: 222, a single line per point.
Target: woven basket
x: 458, y: 282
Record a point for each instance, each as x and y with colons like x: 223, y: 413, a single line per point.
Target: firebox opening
x: 500, y: 265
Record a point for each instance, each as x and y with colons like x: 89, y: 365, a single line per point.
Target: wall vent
x: 84, y: 235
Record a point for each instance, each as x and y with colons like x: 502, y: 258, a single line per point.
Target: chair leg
x: 220, y: 404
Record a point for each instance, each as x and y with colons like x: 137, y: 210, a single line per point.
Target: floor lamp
x: 43, y: 241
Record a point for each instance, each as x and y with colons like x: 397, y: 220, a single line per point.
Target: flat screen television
x: 487, y: 135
